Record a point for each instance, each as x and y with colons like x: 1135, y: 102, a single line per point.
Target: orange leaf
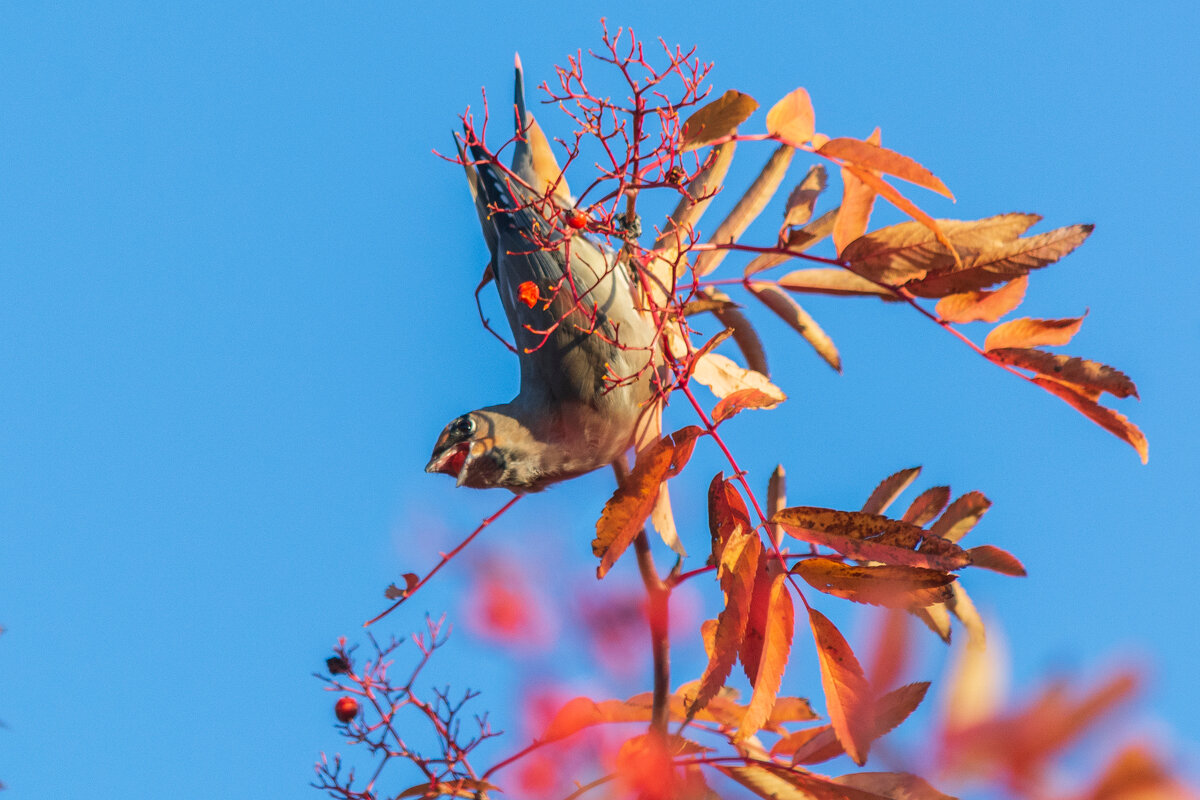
x: 962, y: 515
x: 750, y: 652
x: 928, y: 505
x: 893, y: 196
x: 997, y: 560
x: 727, y: 514
x: 747, y: 209
x: 870, y: 537
x: 897, y: 785
x: 881, y: 585
x: 815, y: 745
x: 792, y: 118
x: 1028, y: 332
x: 790, y: 312
x: 858, y: 198
x: 866, y: 155
x: 777, y: 647
x: 847, y: 694
x: 630, y: 505
x: 1112, y: 421
x: 1089, y: 378
x: 981, y: 306
x: 463, y: 787
x: 833, y: 281
x: 740, y: 401
x: 718, y: 119
x: 889, y: 489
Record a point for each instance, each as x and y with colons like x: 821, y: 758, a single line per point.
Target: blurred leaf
x: 463, y: 787
x: 983, y: 306
x: 790, y: 312
x: 743, y: 332
x: 776, y: 501
x: 747, y: 209
x: 716, y: 120
x: 798, y: 240
x: 816, y: 745
x: 724, y: 377
x: 893, y: 785
x: 833, y: 281
x: 792, y: 118
x: 803, y: 199
x: 1027, y: 332
x: 997, y: 560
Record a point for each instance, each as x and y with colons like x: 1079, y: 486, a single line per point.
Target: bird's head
x: 488, y: 449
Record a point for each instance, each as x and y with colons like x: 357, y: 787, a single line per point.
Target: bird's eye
x: 462, y: 427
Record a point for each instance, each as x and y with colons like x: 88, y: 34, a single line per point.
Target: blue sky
x: 235, y: 311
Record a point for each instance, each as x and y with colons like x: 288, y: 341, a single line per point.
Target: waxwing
x: 568, y: 417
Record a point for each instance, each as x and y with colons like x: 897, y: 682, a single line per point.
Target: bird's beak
x: 452, y: 461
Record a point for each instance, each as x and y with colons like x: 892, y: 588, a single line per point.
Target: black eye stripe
x: 462, y: 427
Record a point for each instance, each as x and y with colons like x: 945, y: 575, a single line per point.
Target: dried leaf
x: 889, y: 489
x: 893, y: 196
x: 1028, y: 332
x: 928, y: 505
x: 870, y: 537
x: 744, y: 334
x: 858, y: 198
x: 816, y: 745
x: 791, y: 313
x: 893, y: 785
x: 803, y: 199
x: 962, y: 515
x: 892, y: 649
x: 740, y: 401
x: 937, y: 619
x: 792, y: 118
x: 847, y: 693
x: 1137, y: 774
x: 866, y: 155
x: 983, y: 306
x: 776, y: 501
x: 963, y: 607
x: 777, y: 647
x: 1112, y: 421
x: 1088, y: 378
x: 750, y: 652
x: 394, y: 592
x: 747, y: 209
x: 833, y: 281
x: 630, y: 505
x: 724, y: 377
x: 727, y: 514
x: 880, y: 585
x: 716, y: 120
x: 997, y: 560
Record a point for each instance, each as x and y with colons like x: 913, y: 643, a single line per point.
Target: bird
x: 589, y: 361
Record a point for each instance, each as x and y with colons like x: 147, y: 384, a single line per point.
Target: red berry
x: 346, y: 709
x: 577, y: 220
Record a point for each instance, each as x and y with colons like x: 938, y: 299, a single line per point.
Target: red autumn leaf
x: 741, y: 400
x: 727, y: 514
x: 867, y: 155
x: 997, y: 560
x: 1112, y: 421
x: 858, y: 198
x: 528, y: 293
x: 847, y: 694
x: 1089, y: 378
x: 777, y: 647
x: 718, y: 119
x: 1028, y: 332
x: 751, y: 648
x: 892, y: 649
x: 928, y: 505
x: 983, y: 306
x: 630, y: 505
x: 792, y: 118
x: 880, y: 585
x: 869, y: 537
x: 889, y: 489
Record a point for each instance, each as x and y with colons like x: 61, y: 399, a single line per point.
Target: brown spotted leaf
x: 983, y: 306
x: 889, y: 489
x: 630, y: 505
x: 791, y: 312
x: 866, y: 155
x: 792, y: 118
x: 1028, y: 332
x: 718, y: 119
x: 879, y: 585
x: 777, y: 647
x: 1112, y: 421
x: 747, y: 209
x: 962, y: 515
x: 847, y: 693
x: 997, y: 560
x: 833, y: 281
x: 870, y: 537
x: 1089, y: 378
